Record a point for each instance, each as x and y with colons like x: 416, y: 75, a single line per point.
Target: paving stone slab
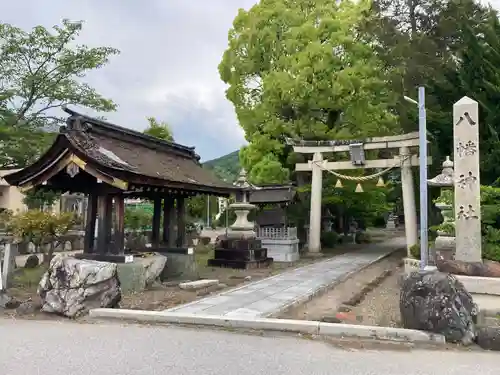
x: 270, y: 296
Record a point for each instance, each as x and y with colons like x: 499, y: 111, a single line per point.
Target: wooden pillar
x: 181, y: 222
x: 90, y: 219
x: 168, y: 221
x: 103, y: 229
x: 155, y: 234
x: 109, y: 222
x: 120, y: 224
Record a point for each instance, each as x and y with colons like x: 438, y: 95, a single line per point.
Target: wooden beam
x: 395, y: 141
x: 370, y: 164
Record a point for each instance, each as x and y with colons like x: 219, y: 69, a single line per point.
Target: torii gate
x: 405, y: 160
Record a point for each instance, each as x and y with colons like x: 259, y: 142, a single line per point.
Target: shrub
x: 329, y: 239
x: 41, y: 228
x: 379, y: 222
x: 137, y: 219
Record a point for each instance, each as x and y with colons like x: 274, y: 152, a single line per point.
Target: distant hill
x: 226, y: 167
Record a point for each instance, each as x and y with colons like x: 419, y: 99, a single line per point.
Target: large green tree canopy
x: 304, y: 69
x: 40, y: 71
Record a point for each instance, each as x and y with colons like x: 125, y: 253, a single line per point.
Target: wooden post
x: 168, y: 221
x: 109, y: 222
x: 155, y: 234
x: 181, y: 222
x: 90, y: 220
x: 102, y: 229
x: 120, y: 224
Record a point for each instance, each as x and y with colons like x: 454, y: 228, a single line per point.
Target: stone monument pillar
x: 467, y: 184
x: 314, y: 243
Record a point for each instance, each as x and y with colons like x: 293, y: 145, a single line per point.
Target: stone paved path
x: 271, y: 295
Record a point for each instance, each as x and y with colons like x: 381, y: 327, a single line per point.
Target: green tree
x: 42, y: 70
x: 304, y: 69
x: 40, y: 198
x: 159, y: 130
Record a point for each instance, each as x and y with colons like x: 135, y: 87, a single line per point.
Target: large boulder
x: 71, y: 287
x: 438, y: 302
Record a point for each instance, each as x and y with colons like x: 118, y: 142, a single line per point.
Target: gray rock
x: 7, y: 302
x: 71, y: 287
x: 437, y: 302
x: 330, y: 319
x: 28, y: 308
x: 153, y: 268
x: 198, y: 284
x: 248, y: 278
x: 32, y: 261
x: 222, y: 286
x: 489, y: 338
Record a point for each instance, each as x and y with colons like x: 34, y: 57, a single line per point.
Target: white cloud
x: 167, y: 68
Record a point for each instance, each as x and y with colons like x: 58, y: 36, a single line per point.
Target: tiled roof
x: 130, y: 151
x: 272, y: 194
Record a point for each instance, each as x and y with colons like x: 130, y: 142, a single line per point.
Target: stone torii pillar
x: 408, y: 190
x: 467, y: 183
x: 314, y: 245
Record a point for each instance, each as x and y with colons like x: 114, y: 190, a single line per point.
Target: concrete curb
x: 282, y: 325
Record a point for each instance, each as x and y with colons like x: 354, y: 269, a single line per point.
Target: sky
x: 167, y: 68
x: 170, y: 50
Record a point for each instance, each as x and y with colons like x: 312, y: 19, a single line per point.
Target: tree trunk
x: 47, y: 257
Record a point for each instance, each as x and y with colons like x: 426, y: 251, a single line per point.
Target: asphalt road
x: 29, y: 348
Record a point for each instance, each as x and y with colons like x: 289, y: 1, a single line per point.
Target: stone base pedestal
x: 282, y: 250
x: 180, y: 266
x: 240, y: 253
x: 486, y: 294
x: 141, y: 273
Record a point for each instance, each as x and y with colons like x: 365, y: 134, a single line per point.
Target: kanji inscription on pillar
x: 467, y: 184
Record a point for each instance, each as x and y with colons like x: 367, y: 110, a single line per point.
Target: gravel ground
x: 379, y: 306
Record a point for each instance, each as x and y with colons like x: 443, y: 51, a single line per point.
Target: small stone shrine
x: 275, y: 231
x: 240, y: 248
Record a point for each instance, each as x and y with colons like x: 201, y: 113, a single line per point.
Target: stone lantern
x: 241, y: 227
x: 445, y: 243
x: 240, y: 248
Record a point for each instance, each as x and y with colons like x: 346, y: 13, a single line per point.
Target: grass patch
x: 28, y: 278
